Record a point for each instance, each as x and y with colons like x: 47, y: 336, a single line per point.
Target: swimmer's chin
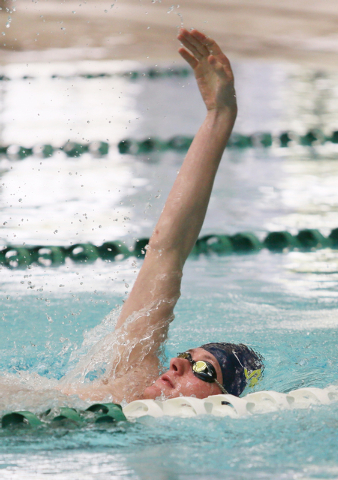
x: 155, y: 393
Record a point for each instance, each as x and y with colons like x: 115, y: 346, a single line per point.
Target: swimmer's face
x: 180, y: 380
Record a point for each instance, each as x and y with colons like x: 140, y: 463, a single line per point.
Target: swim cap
x: 240, y: 365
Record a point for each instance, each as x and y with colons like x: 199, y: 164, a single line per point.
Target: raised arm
x: 147, y: 312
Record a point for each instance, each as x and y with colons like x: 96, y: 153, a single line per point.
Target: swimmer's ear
x: 253, y: 377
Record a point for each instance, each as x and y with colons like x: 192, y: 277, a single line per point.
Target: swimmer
x: 142, y: 326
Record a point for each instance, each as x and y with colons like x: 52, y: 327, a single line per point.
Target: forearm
x: 184, y: 212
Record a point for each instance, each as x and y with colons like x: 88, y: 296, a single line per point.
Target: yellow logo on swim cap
x: 254, y: 377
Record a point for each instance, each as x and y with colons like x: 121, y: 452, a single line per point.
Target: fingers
x: 212, y: 47
x: 187, y: 39
x: 188, y: 57
x: 196, y: 42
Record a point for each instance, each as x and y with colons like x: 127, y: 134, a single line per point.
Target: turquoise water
x: 284, y: 305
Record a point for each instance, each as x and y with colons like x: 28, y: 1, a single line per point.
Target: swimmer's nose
x: 179, y: 365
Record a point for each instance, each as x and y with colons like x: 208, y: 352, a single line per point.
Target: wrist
x: 224, y: 118
x: 223, y: 113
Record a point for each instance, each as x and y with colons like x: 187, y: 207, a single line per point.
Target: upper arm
x: 143, y: 323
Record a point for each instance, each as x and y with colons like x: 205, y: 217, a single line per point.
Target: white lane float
x: 231, y: 406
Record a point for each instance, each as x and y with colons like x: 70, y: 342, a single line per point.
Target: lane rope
x: 215, y: 405
x: 152, y: 73
x: 231, y: 406
x: 21, y: 256
x: 178, y: 143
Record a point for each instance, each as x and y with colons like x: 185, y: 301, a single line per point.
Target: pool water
x: 284, y: 305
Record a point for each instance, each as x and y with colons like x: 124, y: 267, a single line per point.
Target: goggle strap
x: 221, y: 387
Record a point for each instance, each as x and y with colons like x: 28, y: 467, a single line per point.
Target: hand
x: 212, y: 70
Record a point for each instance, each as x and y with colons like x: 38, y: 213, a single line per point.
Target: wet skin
x: 180, y: 380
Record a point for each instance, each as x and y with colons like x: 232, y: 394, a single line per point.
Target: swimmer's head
x: 240, y: 365
x: 235, y: 367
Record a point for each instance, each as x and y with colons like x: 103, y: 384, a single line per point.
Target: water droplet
x: 20, y: 200
x: 171, y: 9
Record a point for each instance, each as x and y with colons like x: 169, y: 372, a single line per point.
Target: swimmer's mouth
x: 167, y: 381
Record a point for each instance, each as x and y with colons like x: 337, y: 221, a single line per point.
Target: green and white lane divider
x: 21, y: 256
x: 215, y: 405
x: 151, y: 73
x: 178, y: 143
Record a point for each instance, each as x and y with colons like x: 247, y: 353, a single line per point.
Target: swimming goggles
x: 203, y: 370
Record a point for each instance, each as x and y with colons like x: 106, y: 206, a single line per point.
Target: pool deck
x: 302, y: 31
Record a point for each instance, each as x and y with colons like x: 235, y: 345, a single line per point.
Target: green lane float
x: 140, y: 247
x: 66, y: 416
x: 43, y: 151
x: 112, y: 250
x: 312, y: 239
x: 14, y: 256
x: 18, y: 152
x: 108, y: 412
x: 178, y: 143
x: 73, y: 149
x: 334, y: 137
x: 50, y: 255
x: 220, y: 244
x: 279, y: 241
x: 83, y: 252
x: 20, y: 418
x: 333, y: 237
x: 245, y: 242
x: 98, y: 149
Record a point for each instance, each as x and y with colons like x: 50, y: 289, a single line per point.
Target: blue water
x: 284, y: 305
